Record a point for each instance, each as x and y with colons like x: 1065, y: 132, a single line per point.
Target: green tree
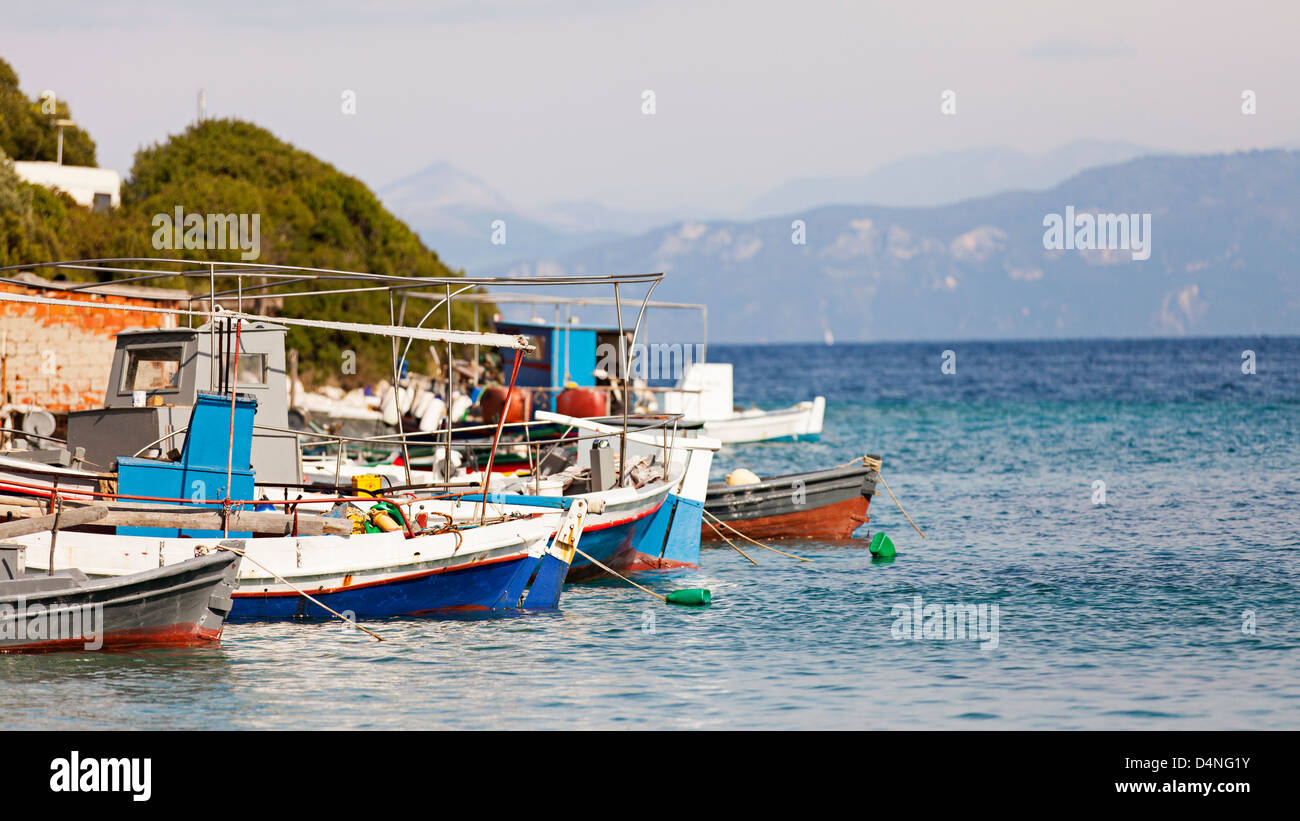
x: 28, y: 133
x: 310, y: 214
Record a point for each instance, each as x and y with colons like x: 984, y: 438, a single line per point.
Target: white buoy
x: 742, y: 476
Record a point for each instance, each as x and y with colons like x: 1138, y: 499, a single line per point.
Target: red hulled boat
x: 820, y: 504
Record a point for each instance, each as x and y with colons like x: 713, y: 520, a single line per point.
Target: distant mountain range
x: 946, y: 177
x: 453, y: 211
x: 1225, y: 234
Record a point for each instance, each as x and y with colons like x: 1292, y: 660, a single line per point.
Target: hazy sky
x: 543, y: 99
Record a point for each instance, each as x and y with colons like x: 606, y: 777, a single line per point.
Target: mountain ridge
x: 979, y: 269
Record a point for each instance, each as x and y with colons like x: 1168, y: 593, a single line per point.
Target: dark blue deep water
x: 1172, y: 605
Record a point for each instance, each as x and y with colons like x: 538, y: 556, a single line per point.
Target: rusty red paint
x: 835, y: 521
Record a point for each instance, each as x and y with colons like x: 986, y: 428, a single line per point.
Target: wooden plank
x: 189, y: 518
x: 309, y: 524
x: 70, y: 517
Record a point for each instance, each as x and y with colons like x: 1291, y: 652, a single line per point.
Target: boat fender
x: 386, y: 516
x: 460, y: 406
x: 394, y: 403
x: 742, y: 476
x: 432, y: 414
x: 421, y: 404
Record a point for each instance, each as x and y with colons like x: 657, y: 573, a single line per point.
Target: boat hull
x: 672, y: 539
x: 798, y: 423
x: 619, y: 536
x: 621, y: 544
x: 175, y: 606
x: 372, y: 575
x: 494, y: 585
x: 828, y: 504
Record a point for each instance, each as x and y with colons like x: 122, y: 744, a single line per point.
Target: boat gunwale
x: 822, y: 477
x: 130, y: 588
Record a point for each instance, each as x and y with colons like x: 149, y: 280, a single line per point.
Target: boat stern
x: 544, y: 593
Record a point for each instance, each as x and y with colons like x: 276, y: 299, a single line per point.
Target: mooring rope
x: 611, y: 570
x: 748, y: 539
x: 874, y: 464
x: 244, y: 554
x: 729, y: 542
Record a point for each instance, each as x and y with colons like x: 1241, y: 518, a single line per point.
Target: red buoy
x: 494, y: 399
x: 583, y: 403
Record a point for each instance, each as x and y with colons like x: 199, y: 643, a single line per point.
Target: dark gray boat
x: 820, y: 504
x: 172, y: 606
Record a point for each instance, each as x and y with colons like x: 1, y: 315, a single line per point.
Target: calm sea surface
x: 1173, y: 605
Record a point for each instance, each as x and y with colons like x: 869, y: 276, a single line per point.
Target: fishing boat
x: 575, y: 370
x: 19, y: 471
x: 704, y: 394
x: 820, y: 504
x: 623, y: 519
x: 175, y: 605
x: 504, y: 566
x: 165, y: 502
x: 510, y: 563
x: 648, y: 519
x: 637, y: 518
x: 671, y: 540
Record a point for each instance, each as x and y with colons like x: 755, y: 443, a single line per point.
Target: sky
x: 544, y: 100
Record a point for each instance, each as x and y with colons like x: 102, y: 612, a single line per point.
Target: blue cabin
x: 563, y: 355
x: 200, y: 473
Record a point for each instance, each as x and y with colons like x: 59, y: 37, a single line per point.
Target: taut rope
x: 874, y: 464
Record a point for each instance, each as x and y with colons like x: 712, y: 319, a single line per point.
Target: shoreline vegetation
x: 309, y: 214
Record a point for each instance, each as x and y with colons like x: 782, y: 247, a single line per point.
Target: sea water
x: 1129, y: 511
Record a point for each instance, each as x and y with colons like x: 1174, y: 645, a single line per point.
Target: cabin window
x: 252, y: 370
x: 153, y: 369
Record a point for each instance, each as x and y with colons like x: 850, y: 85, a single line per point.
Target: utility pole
x: 61, y: 124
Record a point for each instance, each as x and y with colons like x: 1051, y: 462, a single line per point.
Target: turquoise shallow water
x: 1123, y: 615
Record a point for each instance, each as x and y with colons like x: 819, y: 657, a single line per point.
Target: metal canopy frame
x: 145, y: 269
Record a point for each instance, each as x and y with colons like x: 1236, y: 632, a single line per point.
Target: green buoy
x: 882, y: 546
x: 691, y: 597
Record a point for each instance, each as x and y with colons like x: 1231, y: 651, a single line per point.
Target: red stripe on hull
x: 459, y: 608
x: 172, y: 635
x: 835, y: 521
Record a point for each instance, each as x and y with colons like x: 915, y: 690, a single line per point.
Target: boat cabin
x: 563, y: 356
x: 155, y: 381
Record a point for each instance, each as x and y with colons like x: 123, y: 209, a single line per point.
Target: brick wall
x: 58, y: 357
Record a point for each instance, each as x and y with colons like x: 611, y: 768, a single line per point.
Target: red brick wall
x: 57, y: 356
